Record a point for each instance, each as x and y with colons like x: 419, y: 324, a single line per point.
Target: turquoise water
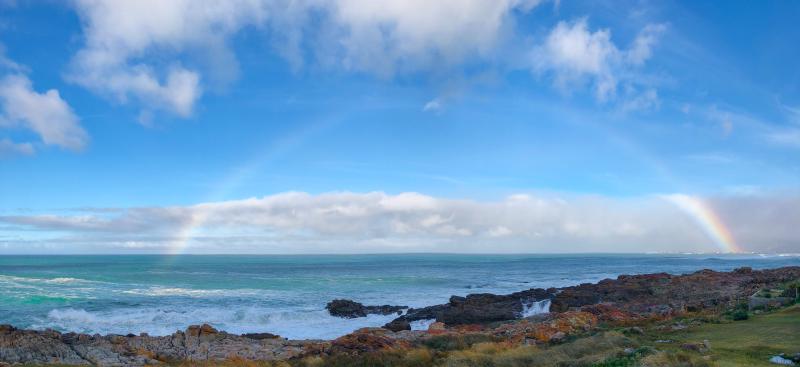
x: 287, y: 294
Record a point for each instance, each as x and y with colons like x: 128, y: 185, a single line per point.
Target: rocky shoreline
x: 573, y: 310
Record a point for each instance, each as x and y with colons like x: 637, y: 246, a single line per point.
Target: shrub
x: 456, y: 342
x: 739, y: 315
x: 671, y: 359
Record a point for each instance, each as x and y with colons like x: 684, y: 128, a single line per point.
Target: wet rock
x: 350, y: 309
x: 398, y: 324
x: 261, y: 336
x: 474, y: 309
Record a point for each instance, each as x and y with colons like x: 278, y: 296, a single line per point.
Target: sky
x: 349, y: 126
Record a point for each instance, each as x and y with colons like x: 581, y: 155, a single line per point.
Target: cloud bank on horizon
x: 346, y: 222
x: 334, y: 115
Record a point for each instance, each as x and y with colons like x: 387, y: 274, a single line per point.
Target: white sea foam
x: 60, y: 280
x: 422, y: 324
x: 535, y: 308
x: 186, y: 292
x: 293, y: 324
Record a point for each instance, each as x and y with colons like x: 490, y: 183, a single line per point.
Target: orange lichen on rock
x: 608, y: 312
x: 553, y: 329
x: 367, y: 340
x: 437, y: 328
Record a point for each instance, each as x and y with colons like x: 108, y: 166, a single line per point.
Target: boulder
x: 261, y: 336
x: 478, y: 308
x: 367, y: 340
x: 350, y: 309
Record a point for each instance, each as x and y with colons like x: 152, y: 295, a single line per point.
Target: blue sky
x: 175, y: 104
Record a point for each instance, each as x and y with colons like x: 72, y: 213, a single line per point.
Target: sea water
x: 286, y: 295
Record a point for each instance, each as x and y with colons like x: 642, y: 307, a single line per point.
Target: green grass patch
x: 748, y: 342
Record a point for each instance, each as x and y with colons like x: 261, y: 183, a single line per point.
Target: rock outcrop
x: 474, y: 309
x: 663, y: 294
x: 367, y: 340
x: 625, y: 298
x: 350, y: 309
x: 197, y: 343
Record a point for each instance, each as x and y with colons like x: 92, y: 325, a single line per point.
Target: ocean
x: 286, y: 295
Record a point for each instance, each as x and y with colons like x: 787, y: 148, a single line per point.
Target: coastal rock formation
x: 626, y: 298
x: 551, y: 328
x: 474, y: 309
x: 350, y: 309
x: 662, y: 294
x: 197, y: 343
x: 367, y: 340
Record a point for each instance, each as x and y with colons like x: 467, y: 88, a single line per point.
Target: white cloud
x: 789, y: 137
x: 378, y: 222
x: 9, y: 148
x: 46, y: 113
x: 642, y: 47
x: 133, y: 48
x: 8, y: 64
x: 575, y: 55
x: 406, y: 35
x: 434, y: 105
x: 648, y: 100
x: 163, y: 53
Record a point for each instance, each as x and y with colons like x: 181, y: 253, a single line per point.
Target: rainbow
x: 707, y: 219
x: 200, y: 213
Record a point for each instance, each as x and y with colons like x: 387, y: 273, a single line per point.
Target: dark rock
x: 662, y: 295
x: 261, y: 336
x: 350, y: 309
x: 478, y: 308
x: 398, y: 324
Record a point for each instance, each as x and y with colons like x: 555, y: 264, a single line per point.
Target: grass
x: 748, y: 342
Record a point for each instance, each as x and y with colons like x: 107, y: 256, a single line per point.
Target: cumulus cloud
x: 297, y: 222
x: 132, y: 49
x: 574, y: 55
x: 162, y: 53
x: 406, y: 35
x: 47, y: 114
